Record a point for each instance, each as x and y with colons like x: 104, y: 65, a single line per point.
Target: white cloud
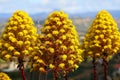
x: 74, y: 6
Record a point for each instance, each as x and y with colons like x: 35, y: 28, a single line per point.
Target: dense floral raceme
x: 58, y: 45
x: 4, y: 76
x: 18, y: 37
x: 103, y: 37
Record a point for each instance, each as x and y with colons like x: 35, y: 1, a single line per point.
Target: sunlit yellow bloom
x: 63, y: 37
x: 20, y: 43
x: 76, y: 66
x: 64, y: 57
x: 55, y: 32
x: 41, y: 69
x: 16, y: 53
x: 36, y: 57
x: 40, y: 61
x: 7, y: 56
x: 11, y: 48
x: 61, y: 65
x: 27, y: 42
x: 103, y: 36
x: 51, y: 66
x: 6, y: 44
x: 20, y: 34
x: 70, y: 62
x: 26, y: 52
x: 51, y: 50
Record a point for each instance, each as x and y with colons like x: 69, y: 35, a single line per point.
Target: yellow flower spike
x: 61, y: 65
x: 58, y: 35
x: 102, y: 37
x: 51, y: 66
x: 36, y: 57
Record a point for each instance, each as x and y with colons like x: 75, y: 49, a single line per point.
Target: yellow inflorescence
x: 103, y: 37
x: 4, y: 76
x: 19, y: 35
x: 58, y: 44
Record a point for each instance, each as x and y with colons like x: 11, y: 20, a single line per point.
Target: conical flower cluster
x: 4, y: 76
x: 59, y: 47
x: 18, y: 37
x: 103, y: 37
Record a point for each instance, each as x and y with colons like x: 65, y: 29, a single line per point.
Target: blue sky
x: 70, y: 6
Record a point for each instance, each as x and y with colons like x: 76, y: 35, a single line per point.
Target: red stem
x: 105, y: 68
x: 23, y: 74
x: 94, y: 69
x: 21, y: 68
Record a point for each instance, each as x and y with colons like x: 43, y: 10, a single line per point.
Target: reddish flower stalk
x: 105, y: 63
x: 94, y: 69
x: 21, y: 68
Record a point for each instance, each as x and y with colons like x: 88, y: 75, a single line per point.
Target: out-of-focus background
x: 81, y: 12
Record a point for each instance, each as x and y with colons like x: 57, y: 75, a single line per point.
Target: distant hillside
x: 43, y: 15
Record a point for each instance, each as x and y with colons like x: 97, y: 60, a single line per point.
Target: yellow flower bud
x: 76, y: 66
x: 26, y: 52
x: 55, y: 32
x: 51, y: 66
x: 70, y: 62
x: 7, y: 56
x: 16, y: 53
x: 61, y: 65
x: 20, y: 43
x: 51, y: 50
x: 35, y: 57
x: 41, y: 69
x: 20, y: 34
x: 64, y: 57
x: 11, y: 48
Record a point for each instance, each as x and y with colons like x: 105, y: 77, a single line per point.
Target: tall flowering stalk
x: 59, y: 48
x: 102, y: 39
x: 18, y: 39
